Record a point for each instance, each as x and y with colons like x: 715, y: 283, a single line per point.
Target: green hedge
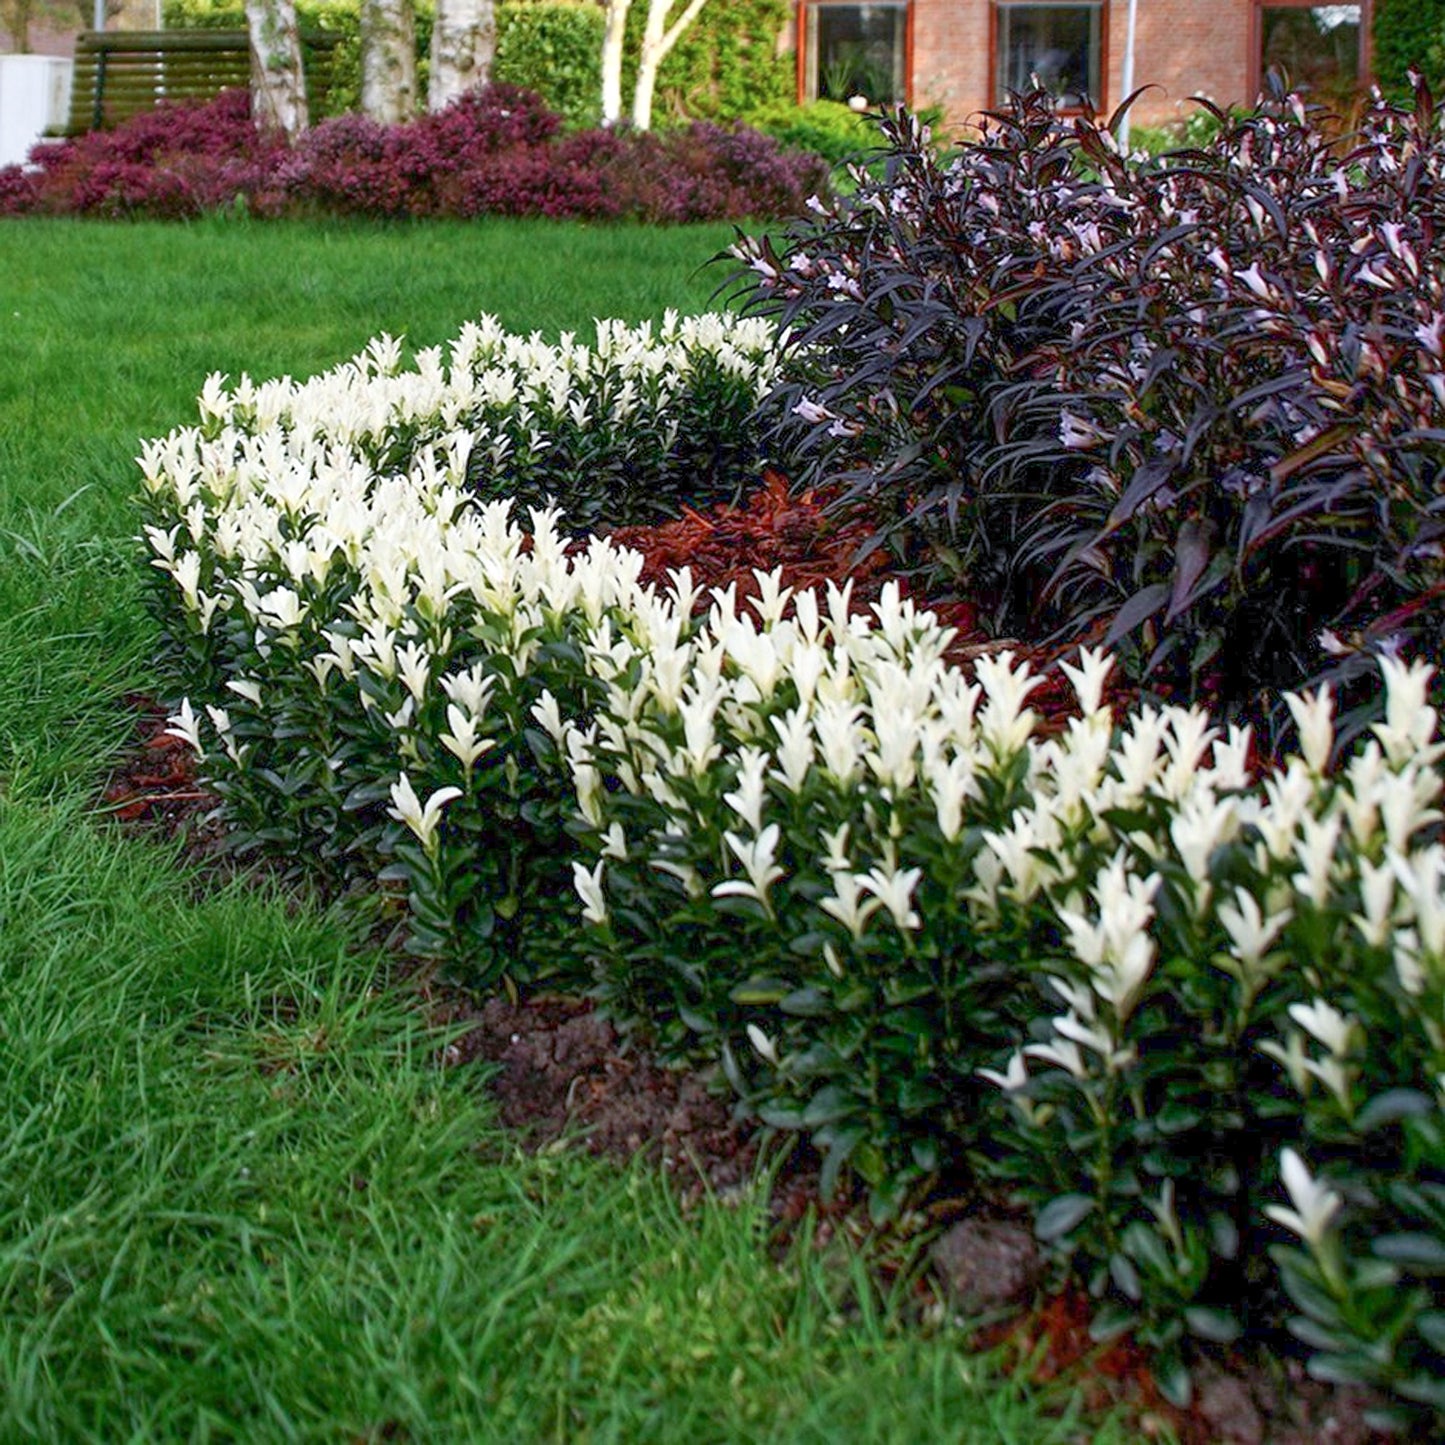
x: 725, y: 65
x: 340, y: 17
x: 1409, y: 32
x: 554, y: 49
x: 826, y: 127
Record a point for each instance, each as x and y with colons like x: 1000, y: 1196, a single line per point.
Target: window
x: 1060, y: 44
x: 1320, y: 48
x: 856, y: 50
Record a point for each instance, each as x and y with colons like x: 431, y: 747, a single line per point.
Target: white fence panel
x: 34, y: 97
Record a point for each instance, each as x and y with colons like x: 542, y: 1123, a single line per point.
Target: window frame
x: 1256, y: 38
x: 1101, y: 10
x: 802, y: 48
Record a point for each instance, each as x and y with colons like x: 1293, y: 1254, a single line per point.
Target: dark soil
x: 563, y: 1078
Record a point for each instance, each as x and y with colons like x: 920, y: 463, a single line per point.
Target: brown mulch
x: 154, y: 783
x: 562, y: 1074
x: 563, y: 1078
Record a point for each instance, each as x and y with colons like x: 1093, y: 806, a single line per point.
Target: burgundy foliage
x: 1196, y: 404
x: 495, y: 151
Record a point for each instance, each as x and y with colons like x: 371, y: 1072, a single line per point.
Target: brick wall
x: 1185, y: 47
x: 44, y: 40
x: 951, y: 54
x: 54, y: 28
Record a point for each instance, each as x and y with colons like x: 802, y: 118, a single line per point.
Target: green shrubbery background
x: 1408, y: 32
x: 725, y: 66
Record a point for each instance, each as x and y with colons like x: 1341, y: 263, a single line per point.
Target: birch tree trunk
x: 388, y: 60
x: 658, y: 38
x: 613, y: 35
x: 463, y: 45
x: 15, y: 17
x: 278, y: 77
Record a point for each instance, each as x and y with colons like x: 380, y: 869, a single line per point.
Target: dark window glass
x: 1058, y: 44
x: 1317, y: 47
x: 856, y: 50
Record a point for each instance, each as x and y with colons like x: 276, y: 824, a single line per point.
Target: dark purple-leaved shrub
x: 710, y: 172
x: 486, y: 121
x: 495, y: 151
x: 349, y: 163
x: 177, y: 160
x: 19, y: 191
x: 352, y: 164
x: 1194, y: 406
x: 556, y: 182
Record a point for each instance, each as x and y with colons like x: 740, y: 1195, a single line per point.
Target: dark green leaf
x: 1343, y: 1369
x: 1061, y: 1215
x: 779, y: 1117
x: 759, y: 991
x: 1223, y: 1235
x: 1318, y: 1336
x: 730, y: 1069
x: 805, y: 1003
x: 1431, y: 1324
x: 1392, y: 1106
x: 868, y: 1160
x: 1172, y: 1376
x: 1175, y: 1118
x: 914, y: 1096
x: 1421, y: 1253
x: 1144, y: 1244
x: 1216, y: 1325
x: 830, y: 1104
x: 1110, y: 1321
x: 1124, y: 1275
x: 1424, y: 1390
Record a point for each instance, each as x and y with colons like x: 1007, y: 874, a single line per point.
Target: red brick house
x: 965, y: 54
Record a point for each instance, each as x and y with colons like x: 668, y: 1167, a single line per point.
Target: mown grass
x: 238, y: 1200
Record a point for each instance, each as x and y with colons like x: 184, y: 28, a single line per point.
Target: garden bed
x: 562, y: 1077
x: 488, y: 634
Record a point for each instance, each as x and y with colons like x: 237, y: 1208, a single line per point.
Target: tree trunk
x: 463, y: 45
x: 278, y: 78
x: 15, y: 17
x: 388, y: 60
x: 612, y: 41
x: 658, y: 38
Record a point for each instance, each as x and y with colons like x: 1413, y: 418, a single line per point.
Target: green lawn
x: 237, y: 1201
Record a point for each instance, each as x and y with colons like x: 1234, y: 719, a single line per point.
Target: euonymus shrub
x: 1190, y: 1015
x: 869, y: 885
x: 366, y: 636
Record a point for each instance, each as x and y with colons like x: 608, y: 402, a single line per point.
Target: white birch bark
x: 278, y: 78
x: 613, y: 35
x: 463, y: 45
x: 658, y: 38
x: 388, y: 60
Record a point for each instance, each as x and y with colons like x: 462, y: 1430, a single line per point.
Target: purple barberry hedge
x: 496, y: 151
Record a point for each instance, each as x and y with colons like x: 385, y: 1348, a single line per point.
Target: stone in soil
x: 986, y: 1265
